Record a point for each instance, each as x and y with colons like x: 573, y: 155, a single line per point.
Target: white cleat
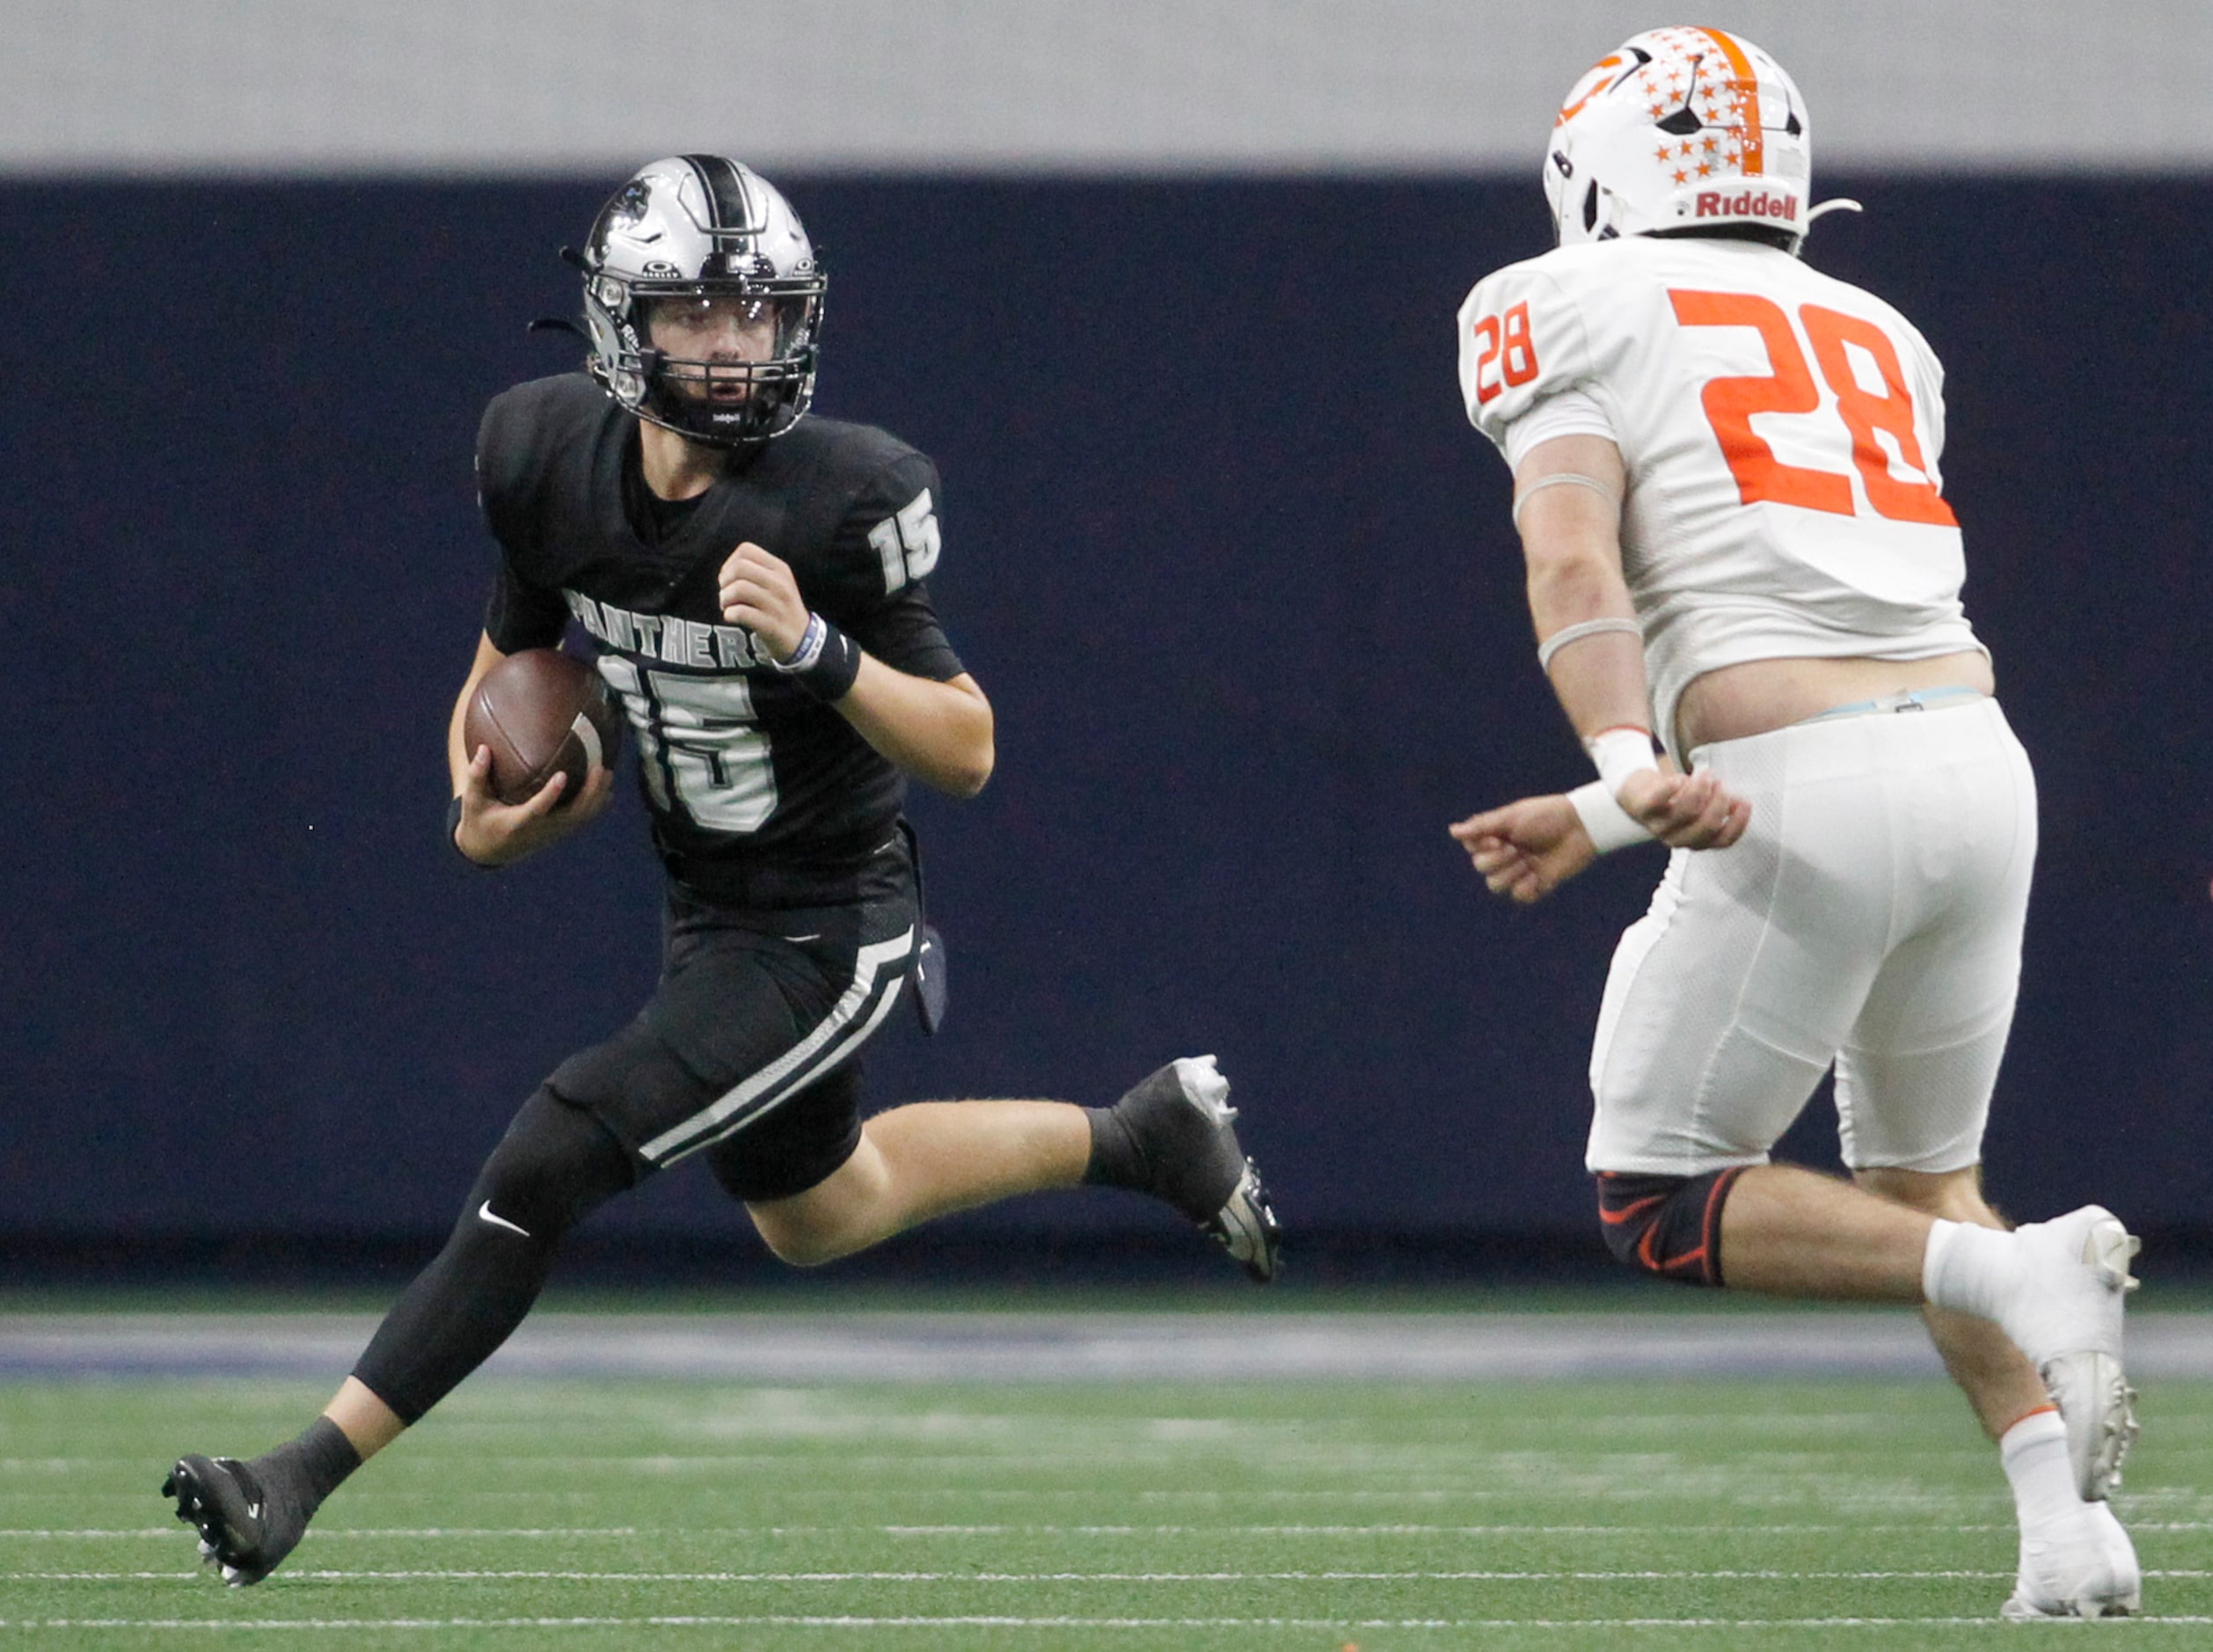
x: 2076, y: 1287
x: 2099, y: 1408
x: 2088, y: 1570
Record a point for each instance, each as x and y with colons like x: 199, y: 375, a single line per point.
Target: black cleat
x: 245, y: 1529
x: 1179, y: 1122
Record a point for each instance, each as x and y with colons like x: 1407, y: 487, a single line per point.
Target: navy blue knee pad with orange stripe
x: 1668, y: 1225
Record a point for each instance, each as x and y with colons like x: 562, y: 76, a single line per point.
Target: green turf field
x: 1260, y: 1516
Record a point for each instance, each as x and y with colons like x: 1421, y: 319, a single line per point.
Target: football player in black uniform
x: 755, y: 580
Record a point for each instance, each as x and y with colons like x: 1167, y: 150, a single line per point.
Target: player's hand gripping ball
x: 542, y: 711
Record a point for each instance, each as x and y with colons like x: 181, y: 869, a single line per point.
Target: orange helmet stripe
x: 1747, y: 79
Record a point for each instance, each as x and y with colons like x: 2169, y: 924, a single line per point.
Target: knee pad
x: 556, y: 1163
x: 1667, y: 1225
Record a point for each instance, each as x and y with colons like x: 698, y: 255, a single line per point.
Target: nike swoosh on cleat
x: 483, y: 1214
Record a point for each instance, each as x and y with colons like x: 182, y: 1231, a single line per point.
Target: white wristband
x: 1618, y: 753
x: 1609, y: 825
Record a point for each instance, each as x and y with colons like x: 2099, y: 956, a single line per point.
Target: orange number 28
x: 1789, y: 388
x: 1507, y: 346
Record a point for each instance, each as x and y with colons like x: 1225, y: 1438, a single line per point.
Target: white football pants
x: 1870, y: 916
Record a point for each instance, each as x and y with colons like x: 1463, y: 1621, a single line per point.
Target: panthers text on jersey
x: 1781, y: 431
x: 739, y: 764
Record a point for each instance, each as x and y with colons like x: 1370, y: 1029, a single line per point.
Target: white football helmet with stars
x: 1680, y: 129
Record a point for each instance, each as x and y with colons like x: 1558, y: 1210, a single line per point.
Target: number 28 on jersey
x: 1856, y: 361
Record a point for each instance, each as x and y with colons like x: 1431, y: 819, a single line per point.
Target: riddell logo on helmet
x: 1746, y: 203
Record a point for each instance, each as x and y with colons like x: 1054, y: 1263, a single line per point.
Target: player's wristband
x: 1617, y: 753
x: 826, y: 661
x: 1609, y: 825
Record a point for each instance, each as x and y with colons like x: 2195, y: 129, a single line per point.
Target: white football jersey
x: 1781, y: 432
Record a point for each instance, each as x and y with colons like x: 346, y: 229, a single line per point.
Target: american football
x: 541, y: 712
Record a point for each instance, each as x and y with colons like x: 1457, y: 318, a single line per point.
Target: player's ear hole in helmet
x: 703, y: 301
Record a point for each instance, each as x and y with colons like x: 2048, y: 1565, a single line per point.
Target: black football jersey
x: 738, y: 762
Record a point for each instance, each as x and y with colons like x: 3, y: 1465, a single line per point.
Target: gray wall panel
x: 299, y: 87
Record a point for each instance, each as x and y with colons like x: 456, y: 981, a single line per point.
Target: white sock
x: 2034, y: 1453
x: 1971, y: 1268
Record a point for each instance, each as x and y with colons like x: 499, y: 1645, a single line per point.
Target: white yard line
x: 767, y: 1620
x: 1670, y: 1528
x: 1399, y: 1575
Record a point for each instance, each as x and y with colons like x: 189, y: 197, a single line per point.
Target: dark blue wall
x: 1222, y: 547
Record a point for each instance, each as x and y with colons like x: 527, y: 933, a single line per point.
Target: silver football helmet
x: 690, y: 238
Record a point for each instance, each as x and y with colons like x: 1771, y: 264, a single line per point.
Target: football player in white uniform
x: 1739, y: 550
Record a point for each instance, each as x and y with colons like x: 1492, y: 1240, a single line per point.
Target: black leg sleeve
x: 555, y: 1164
